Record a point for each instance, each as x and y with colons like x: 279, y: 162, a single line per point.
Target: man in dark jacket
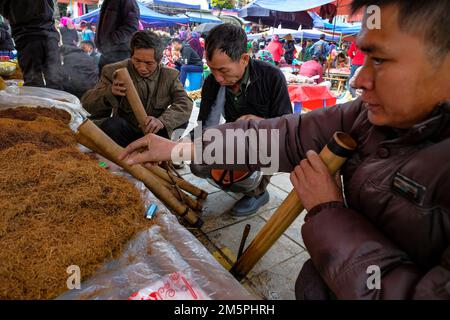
x: 240, y: 88
x: 389, y: 236
x: 36, y: 38
x: 186, y: 59
x: 80, y: 70
x: 119, y: 19
x: 6, y: 42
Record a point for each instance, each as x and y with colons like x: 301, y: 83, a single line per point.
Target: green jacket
x: 162, y: 95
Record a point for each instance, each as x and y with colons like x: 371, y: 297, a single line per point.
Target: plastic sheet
x: 166, y: 251
x: 11, y: 99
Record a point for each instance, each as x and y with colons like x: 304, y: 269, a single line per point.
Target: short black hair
x: 147, y: 39
x: 176, y: 40
x: 431, y: 18
x: 322, y: 36
x: 88, y: 42
x: 228, y: 38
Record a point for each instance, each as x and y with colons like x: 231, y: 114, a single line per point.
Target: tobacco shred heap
x: 58, y: 207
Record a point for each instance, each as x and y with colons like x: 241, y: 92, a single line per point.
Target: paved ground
x: 274, y: 275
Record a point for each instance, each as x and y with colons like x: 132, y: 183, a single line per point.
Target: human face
x: 226, y: 71
x: 86, y: 48
x: 144, y: 62
x: 401, y: 85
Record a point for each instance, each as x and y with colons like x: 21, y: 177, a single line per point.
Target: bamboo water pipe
x: 93, y: 135
x: 334, y: 154
x: 132, y: 95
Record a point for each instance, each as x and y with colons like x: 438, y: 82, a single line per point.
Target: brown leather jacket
x: 162, y: 89
x: 397, y: 189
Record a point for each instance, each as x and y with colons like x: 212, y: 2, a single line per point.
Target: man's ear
x: 245, y: 58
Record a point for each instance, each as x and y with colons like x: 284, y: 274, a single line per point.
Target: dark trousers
x: 40, y: 62
x: 108, y: 58
x: 124, y: 133
x: 310, y: 285
x: 185, y: 69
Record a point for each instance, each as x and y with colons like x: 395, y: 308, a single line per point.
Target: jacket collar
x: 435, y: 128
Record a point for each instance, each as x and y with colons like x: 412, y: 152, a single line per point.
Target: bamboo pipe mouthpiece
x: 132, y: 96
x: 96, y: 138
x: 334, y: 155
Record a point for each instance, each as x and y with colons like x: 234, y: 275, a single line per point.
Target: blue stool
x: 193, y: 81
x: 297, y: 107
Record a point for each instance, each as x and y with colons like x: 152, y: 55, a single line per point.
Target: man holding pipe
x: 386, y: 234
x: 166, y: 102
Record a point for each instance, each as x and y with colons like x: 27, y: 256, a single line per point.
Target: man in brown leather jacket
x: 396, y: 214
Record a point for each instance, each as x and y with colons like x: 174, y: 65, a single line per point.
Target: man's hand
x: 313, y: 183
x: 152, y: 125
x: 118, y: 88
x: 250, y: 117
x: 148, y: 150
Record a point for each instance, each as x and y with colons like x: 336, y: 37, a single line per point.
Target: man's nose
x: 365, y: 77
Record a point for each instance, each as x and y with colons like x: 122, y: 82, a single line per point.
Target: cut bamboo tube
x: 93, y: 135
x: 333, y: 155
x: 157, y: 171
x: 133, y: 98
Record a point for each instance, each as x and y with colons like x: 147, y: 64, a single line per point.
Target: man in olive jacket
x: 166, y: 102
x: 386, y: 233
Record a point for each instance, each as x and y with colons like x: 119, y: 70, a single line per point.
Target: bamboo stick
x: 133, y: 98
x: 109, y: 149
x: 333, y: 155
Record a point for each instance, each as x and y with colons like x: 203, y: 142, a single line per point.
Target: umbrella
x: 204, y: 27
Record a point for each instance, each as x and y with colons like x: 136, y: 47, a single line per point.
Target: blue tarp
x: 147, y: 16
x: 288, y: 5
x: 200, y: 17
x: 344, y: 28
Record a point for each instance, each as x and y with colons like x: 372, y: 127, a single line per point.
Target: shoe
x: 249, y: 205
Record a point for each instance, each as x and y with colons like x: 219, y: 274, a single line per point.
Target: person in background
x: 289, y: 49
x: 6, y: 42
x: 357, y: 60
x: 194, y: 42
x: 80, y: 72
x: 165, y: 101
x: 312, y: 68
x: 88, y: 34
x: 36, y: 41
x: 89, y: 48
x: 306, y: 53
x: 186, y: 59
x: 320, y: 49
x: 119, y: 19
x: 340, y: 61
x: 276, y: 49
x: 69, y: 34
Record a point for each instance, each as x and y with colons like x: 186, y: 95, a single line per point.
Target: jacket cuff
x: 326, y: 205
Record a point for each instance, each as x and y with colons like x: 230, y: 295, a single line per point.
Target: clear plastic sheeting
x: 165, y: 254
x: 48, y: 93
x: 151, y: 261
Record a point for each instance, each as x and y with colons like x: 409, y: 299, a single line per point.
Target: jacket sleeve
x: 281, y: 102
x: 100, y: 101
x: 180, y: 110
x: 130, y: 23
x: 289, y: 138
x: 344, y: 254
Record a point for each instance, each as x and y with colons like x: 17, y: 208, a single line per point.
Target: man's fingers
x: 136, y: 145
x: 137, y: 158
x: 315, y: 162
